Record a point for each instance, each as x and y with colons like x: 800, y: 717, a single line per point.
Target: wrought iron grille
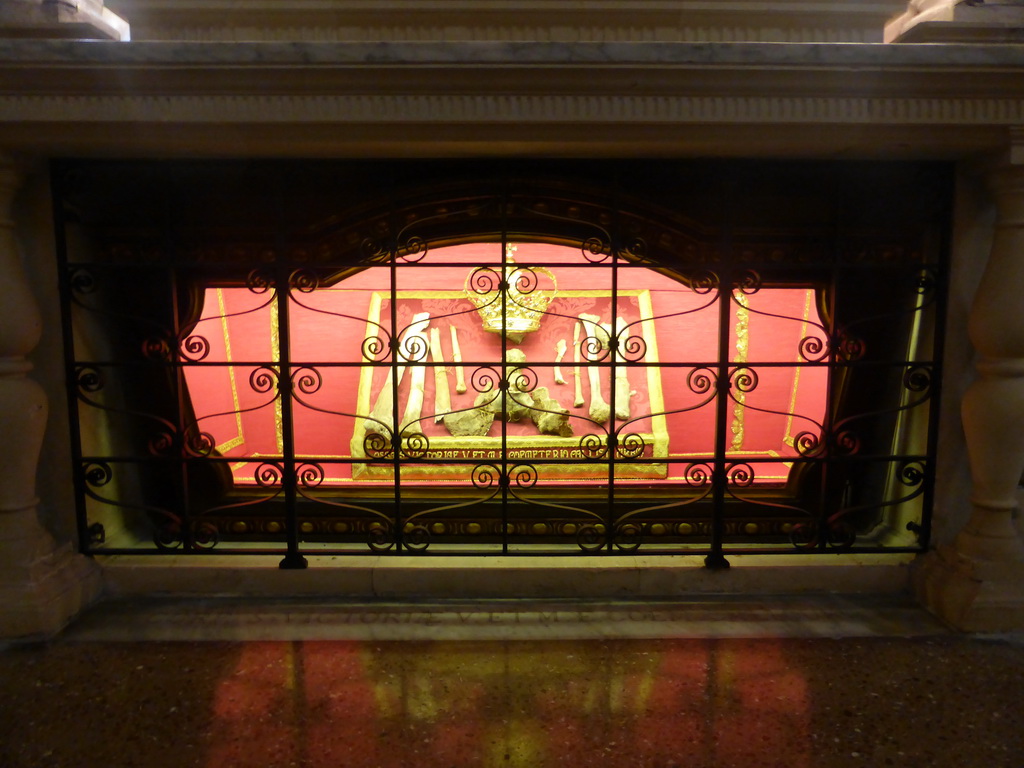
x: 440, y: 358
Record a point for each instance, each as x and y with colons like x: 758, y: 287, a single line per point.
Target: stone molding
x: 540, y: 20
x: 52, y: 93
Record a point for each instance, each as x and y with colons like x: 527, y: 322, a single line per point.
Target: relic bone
x: 460, y: 376
x: 417, y: 378
x: 473, y: 422
x: 599, y: 409
x: 560, y: 353
x: 599, y: 331
x: 381, y: 414
x: 552, y: 419
x: 578, y: 400
x: 622, y: 391
x: 515, y: 403
x: 442, y: 397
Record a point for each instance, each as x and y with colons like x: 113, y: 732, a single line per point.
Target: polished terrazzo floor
x: 900, y: 691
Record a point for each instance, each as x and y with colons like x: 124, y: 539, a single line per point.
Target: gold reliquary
x: 513, y: 302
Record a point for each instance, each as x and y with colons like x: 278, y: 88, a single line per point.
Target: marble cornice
x: 51, y: 90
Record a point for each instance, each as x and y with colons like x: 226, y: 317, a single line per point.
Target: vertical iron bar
x: 826, y: 456
x: 178, y: 366
x: 716, y: 560
x: 57, y: 172
x: 293, y: 560
x: 504, y: 385
x: 396, y: 354
x: 944, y: 221
x: 613, y: 436
x: 179, y: 397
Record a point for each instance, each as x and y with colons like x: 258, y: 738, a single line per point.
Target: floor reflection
x: 665, y: 703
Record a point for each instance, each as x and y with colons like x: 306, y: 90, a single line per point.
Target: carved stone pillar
x: 978, y: 583
x: 957, y: 21
x: 42, y: 585
x: 77, y: 19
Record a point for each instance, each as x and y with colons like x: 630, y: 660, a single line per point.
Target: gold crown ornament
x: 514, y: 304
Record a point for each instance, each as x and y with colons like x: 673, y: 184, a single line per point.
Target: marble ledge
x: 740, y: 55
x: 410, y: 577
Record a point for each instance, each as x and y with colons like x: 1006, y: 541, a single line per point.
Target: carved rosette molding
x: 516, y: 109
x: 42, y: 585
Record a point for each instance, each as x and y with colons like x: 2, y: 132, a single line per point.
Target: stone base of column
x: 971, y: 595
x: 58, y: 588
x: 43, y: 585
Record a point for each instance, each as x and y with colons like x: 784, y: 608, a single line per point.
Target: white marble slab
x: 170, y: 619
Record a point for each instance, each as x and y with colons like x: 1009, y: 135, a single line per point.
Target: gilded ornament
x: 515, y: 306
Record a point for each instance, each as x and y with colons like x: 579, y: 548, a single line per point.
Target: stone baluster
x: 977, y: 583
x: 993, y: 408
x: 42, y: 584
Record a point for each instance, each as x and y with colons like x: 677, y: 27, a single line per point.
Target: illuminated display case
x: 447, y: 359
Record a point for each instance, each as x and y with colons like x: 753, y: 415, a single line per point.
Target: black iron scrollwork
x: 89, y: 379
x: 381, y: 537
x: 593, y: 447
x: 259, y: 281
x: 379, y: 447
x: 198, y: 444
x: 698, y: 475
x: 412, y: 250
x: 82, y: 282
x: 484, y: 281
x: 309, y: 475
x: 416, y: 538
x: 633, y: 249
x: 740, y: 475
x: 628, y: 537
x: 156, y: 348
x: 700, y: 381
x: 918, y: 378
x: 808, y: 444
x: 263, y: 379
x: 415, y: 445
x: 744, y: 379
x: 374, y: 347
x: 591, y: 538
x: 97, y: 473
x: 629, y: 349
x: 813, y: 349
x: 307, y: 380
x: 596, y: 250
x: 194, y: 348
x: 161, y: 444
x: 303, y: 281
x: 269, y: 474
x: 631, y: 446
x: 749, y: 282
